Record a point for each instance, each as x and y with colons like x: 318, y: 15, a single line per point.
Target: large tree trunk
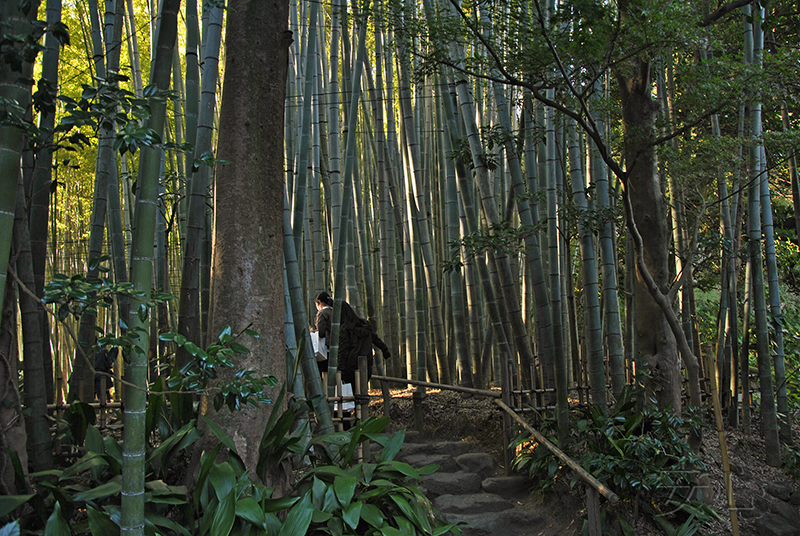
x: 655, y: 341
x: 247, y: 287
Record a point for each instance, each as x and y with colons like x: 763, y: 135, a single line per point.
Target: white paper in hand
x: 320, y: 348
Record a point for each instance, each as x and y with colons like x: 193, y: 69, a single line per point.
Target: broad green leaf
x: 94, y: 443
x: 94, y: 440
x: 101, y: 523
x: 89, y: 460
x: 249, y: 510
x: 407, y: 469
x: 428, y: 469
x: 223, y: 479
x: 330, y: 504
x: 278, y: 505
x: 405, y: 525
x: 113, y: 450
x: 56, y: 525
x: 388, y: 530
x: 368, y: 469
x: 319, y: 517
x: 352, y: 514
x: 405, y: 507
x: 335, y: 526
x: 155, y: 520
x: 8, y: 503
x: 225, y: 514
x: 299, y: 518
x: 344, y: 487
x: 108, y: 489
x: 439, y: 531
x: 318, y: 492
x: 372, y: 515
x: 11, y: 529
x: 206, y: 462
x: 393, y: 446
x: 329, y: 470
x: 273, y: 524
x: 220, y: 433
x: 374, y: 425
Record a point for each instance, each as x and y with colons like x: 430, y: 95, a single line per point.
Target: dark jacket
x: 356, y: 338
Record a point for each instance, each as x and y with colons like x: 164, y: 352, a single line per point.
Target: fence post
x: 593, y: 511
x: 362, y: 400
x: 103, y: 402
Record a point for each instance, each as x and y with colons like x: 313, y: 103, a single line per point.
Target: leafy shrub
x: 634, y: 448
x: 343, y: 496
x: 335, y: 493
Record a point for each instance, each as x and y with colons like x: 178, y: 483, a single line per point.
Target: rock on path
x: 469, y: 488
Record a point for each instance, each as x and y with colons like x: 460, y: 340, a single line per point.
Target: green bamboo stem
x: 308, y: 364
x: 132, y: 518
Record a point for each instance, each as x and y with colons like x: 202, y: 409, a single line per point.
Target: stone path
x: 470, y: 488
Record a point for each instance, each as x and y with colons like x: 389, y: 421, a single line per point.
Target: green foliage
x: 342, y: 496
x: 634, y: 448
x: 791, y: 461
x: 245, y: 389
x: 502, y: 237
x: 335, y: 493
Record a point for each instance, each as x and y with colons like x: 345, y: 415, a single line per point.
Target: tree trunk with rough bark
x: 655, y: 341
x: 247, y: 288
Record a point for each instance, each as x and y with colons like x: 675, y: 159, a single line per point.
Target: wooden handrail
x: 593, y: 486
x: 569, y: 462
x: 470, y: 390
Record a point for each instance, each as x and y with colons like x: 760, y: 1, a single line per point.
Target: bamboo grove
x: 559, y: 197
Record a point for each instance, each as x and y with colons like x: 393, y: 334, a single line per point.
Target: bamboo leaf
x: 393, y: 446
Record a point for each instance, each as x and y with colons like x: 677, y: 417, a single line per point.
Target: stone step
x: 474, y: 503
x: 512, y: 486
x: 506, y: 523
x: 457, y: 483
x: 477, y: 462
x: 452, y: 448
x: 446, y: 463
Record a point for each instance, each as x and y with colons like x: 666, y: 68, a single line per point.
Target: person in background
x: 323, y: 322
x: 104, y: 362
x: 356, y: 337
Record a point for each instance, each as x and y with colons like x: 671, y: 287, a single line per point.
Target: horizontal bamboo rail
x: 470, y: 390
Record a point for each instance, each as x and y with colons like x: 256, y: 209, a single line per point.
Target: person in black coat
x: 356, y: 337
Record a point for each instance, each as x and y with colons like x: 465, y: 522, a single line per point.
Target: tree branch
x: 721, y: 11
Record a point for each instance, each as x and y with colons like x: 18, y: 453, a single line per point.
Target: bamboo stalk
x: 723, y: 448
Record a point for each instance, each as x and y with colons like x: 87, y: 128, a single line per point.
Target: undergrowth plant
x: 635, y: 448
x: 335, y: 493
